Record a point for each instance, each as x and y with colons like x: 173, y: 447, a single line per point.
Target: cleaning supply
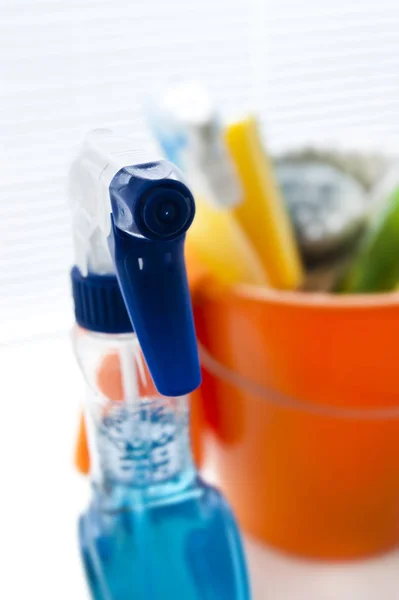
x: 262, y: 213
x: 186, y: 126
x: 218, y: 243
x: 154, y: 529
x: 376, y: 266
x: 328, y: 206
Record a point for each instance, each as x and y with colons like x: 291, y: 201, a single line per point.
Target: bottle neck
x: 143, y: 451
x: 139, y: 440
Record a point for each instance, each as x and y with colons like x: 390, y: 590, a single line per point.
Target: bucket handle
x: 215, y: 368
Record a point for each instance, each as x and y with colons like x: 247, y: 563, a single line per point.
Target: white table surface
x: 42, y: 495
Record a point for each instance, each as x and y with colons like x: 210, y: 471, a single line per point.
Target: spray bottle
x: 154, y: 530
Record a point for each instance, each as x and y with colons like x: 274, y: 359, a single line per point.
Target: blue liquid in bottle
x: 154, y: 529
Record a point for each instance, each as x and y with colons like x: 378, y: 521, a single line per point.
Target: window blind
x: 317, y: 72
x: 330, y: 74
x: 67, y: 67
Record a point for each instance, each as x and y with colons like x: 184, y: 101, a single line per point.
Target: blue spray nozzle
x: 151, y: 211
x: 143, y: 208
x: 160, y: 208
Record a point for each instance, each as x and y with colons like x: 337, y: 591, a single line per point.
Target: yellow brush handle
x: 262, y: 213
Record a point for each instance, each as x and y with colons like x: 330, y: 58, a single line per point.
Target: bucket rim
x: 317, y: 299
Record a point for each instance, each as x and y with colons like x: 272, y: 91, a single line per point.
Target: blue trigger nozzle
x: 166, y: 211
x: 151, y: 212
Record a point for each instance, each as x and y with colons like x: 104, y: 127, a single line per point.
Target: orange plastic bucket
x: 299, y: 416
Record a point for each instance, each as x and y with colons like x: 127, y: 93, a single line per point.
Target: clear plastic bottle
x: 154, y: 529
